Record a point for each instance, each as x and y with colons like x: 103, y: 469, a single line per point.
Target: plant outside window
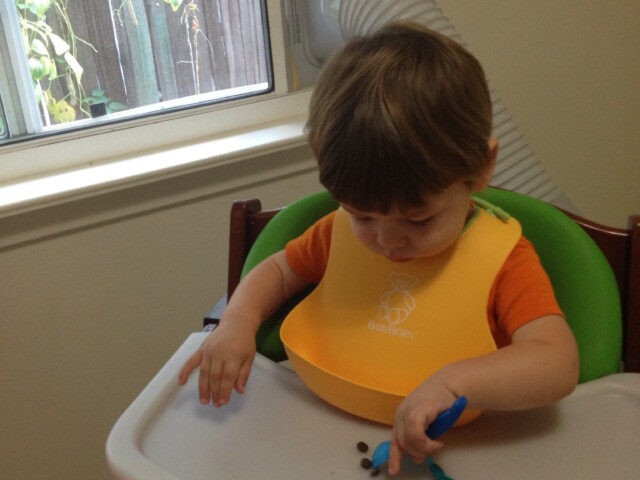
x: 93, y: 58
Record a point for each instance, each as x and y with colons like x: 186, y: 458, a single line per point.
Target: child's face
x: 416, y: 233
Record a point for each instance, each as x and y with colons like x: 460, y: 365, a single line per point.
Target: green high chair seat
x: 583, y: 281
x: 582, y: 277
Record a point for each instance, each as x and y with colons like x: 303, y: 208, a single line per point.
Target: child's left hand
x: 413, y: 416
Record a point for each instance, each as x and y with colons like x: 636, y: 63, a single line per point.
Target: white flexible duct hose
x: 517, y: 168
x: 362, y: 17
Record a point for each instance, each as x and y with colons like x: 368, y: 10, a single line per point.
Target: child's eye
x: 421, y: 222
x: 361, y: 219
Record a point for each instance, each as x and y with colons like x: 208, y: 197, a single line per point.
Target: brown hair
x: 399, y: 115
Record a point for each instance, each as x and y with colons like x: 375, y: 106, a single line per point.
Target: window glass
x: 112, y: 59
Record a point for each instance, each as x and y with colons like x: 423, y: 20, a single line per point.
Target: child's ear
x: 485, y: 177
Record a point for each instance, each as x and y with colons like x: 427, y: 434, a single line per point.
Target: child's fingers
x: 223, y: 381
x: 193, y: 363
x: 419, y: 456
x: 395, y: 458
x: 204, y: 383
x: 243, y: 376
x: 418, y: 446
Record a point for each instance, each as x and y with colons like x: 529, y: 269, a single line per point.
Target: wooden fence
x: 146, y: 53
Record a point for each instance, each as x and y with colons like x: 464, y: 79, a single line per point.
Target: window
x: 73, y: 64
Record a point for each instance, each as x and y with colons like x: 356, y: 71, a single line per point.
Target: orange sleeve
x: 522, y: 292
x: 308, y: 254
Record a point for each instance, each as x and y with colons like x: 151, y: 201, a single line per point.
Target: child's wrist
x: 445, y: 382
x: 243, y: 320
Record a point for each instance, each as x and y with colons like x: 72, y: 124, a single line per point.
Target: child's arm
x: 227, y: 353
x: 539, y: 367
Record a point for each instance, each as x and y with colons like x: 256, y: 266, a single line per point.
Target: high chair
x: 280, y: 429
x: 595, y: 271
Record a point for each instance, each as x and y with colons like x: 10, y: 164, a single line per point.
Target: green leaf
x: 61, y: 111
x: 38, y: 69
x: 38, y: 46
x: 97, y: 96
x: 116, y: 107
x: 175, y: 4
x: 39, y: 7
x: 59, y: 45
x: 74, y: 65
x: 37, y: 90
x: 53, y: 70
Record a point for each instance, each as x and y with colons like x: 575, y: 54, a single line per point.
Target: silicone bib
x: 374, y: 329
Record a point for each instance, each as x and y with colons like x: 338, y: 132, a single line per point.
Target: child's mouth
x: 399, y: 259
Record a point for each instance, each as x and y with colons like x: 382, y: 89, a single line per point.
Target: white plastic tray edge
x: 123, y: 447
x: 126, y: 460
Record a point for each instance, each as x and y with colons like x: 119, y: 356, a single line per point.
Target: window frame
x: 191, y: 132
x: 4, y: 129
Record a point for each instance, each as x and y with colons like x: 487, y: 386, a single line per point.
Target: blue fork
x: 438, y: 427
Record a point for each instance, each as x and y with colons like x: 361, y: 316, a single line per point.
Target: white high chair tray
x: 280, y: 430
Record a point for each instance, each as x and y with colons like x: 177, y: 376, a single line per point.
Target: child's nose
x: 390, y: 237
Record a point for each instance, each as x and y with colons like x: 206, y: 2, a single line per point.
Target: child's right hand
x: 225, y: 358
x: 226, y: 355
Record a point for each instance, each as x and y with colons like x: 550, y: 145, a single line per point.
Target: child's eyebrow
x: 351, y: 210
x: 426, y: 211
x: 359, y: 213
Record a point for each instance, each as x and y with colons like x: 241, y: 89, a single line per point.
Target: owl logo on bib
x: 397, y: 303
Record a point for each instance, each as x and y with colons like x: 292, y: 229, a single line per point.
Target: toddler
x: 400, y: 123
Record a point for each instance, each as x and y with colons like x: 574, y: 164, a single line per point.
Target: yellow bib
x: 374, y: 329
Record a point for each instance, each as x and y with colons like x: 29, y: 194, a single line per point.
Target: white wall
x: 95, y: 295
x: 88, y: 316
x: 568, y: 71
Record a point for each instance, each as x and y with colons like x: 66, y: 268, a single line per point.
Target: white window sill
x: 260, y: 135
